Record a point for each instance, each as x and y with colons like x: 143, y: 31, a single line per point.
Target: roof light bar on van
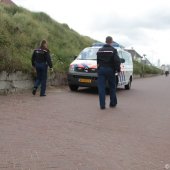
x: 114, y: 44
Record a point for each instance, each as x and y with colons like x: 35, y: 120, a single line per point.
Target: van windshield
x: 88, y: 54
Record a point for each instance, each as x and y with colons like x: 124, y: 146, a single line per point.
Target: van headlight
x: 71, y: 68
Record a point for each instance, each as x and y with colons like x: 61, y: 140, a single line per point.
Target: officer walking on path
x: 41, y: 59
x: 108, y: 62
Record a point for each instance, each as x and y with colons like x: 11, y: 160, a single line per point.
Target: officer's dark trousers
x: 104, y: 74
x: 41, y: 69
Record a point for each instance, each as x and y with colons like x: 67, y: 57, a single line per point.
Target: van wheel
x: 73, y: 87
x: 128, y: 86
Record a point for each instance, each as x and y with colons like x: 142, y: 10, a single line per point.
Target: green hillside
x: 21, y: 31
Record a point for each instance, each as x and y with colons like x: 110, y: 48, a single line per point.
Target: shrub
x: 139, y: 68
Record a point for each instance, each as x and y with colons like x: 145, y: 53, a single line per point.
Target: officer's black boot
x: 34, y: 90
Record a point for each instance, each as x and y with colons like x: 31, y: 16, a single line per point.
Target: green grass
x: 21, y: 31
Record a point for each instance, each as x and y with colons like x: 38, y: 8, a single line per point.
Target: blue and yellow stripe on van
x: 121, y: 76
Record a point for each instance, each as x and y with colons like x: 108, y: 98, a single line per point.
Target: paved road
x: 67, y: 130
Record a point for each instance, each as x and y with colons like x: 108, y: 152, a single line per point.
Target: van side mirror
x: 122, y: 60
x: 75, y: 57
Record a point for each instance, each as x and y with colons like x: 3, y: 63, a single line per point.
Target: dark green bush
x: 140, y: 69
x: 137, y: 68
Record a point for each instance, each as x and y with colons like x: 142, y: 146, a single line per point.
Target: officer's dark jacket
x: 41, y: 56
x: 107, y: 56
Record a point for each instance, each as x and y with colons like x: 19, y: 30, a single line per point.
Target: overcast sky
x: 141, y: 24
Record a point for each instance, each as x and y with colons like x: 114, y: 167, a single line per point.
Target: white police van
x: 83, y: 70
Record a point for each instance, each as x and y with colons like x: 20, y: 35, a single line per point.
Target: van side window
x: 120, y: 54
x: 127, y: 57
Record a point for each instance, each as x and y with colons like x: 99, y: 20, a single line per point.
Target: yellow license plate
x: 85, y: 80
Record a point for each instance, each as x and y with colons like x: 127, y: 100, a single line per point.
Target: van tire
x: 73, y: 87
x: 128, y: 86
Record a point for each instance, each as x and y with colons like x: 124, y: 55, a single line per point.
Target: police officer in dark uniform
x: 108, y: 62
x: 41, y: 59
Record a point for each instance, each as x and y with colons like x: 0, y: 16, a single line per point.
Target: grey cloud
x: 155, y: 20
x: 134, y: 28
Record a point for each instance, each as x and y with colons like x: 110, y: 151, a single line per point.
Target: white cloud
x: 143, y: 25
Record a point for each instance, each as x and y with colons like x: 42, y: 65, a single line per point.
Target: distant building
x: 165, y: 68
x: 135, y: 56
x: 159, y: 63
x: 147, y: 62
